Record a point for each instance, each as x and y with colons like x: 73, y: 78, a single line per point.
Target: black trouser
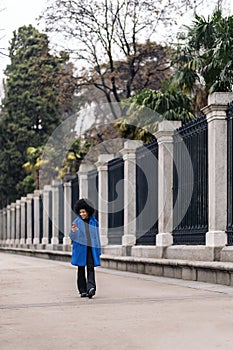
x: 84, y: 285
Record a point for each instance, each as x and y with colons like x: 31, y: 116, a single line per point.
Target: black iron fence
x: 32, y: 219
x: 190, y: 190
x: 50, y: 217
x: 147, y: 193
x: 41, y: 216
x: 75, y: 194
x: 229, y: 228
x: 61, y: 213
x: 116, y: 201
x: 26, y: 231
x: 190, y: 183
x: 93, y: 189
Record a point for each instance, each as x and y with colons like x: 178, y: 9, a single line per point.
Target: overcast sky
x: 14, y: 14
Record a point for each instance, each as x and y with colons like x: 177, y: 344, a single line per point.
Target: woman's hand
x: 74, y: 228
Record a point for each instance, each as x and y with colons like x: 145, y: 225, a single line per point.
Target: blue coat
x: 79, y: 238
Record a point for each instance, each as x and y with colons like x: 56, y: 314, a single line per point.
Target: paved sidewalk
x: 40, y: 310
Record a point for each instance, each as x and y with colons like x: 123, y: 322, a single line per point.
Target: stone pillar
x: 67, y: 212
x: 36, y: 197
x: 12, y: 228
x: 84, y: 168
x: 102, y: 168
x: 8, y: 240
x: 29, y: 199
x: 23, y: 228
x: 129, y: 157
x: 1, y: 226
x: 55, y: 211
x: 46, y: 213
x: 17, y: 220
x: 4, y: 225
x: 217, y: 159
x: 164, y: 137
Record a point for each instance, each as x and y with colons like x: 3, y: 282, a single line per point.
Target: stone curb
x: 201, y: 271
x: 39, y: 253
x: 224, y: 266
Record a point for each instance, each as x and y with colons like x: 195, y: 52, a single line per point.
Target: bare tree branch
x: 109, y: 34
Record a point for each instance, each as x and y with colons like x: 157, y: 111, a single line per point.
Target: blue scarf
x: 80, y: 235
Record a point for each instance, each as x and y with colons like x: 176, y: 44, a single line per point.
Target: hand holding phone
x: 74, y: 228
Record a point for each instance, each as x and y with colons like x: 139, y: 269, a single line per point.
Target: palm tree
x: 204, y: 56
x: 147, y: 107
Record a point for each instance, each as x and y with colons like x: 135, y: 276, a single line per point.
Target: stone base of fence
x: 181, y: 252
x: 226, y: 254
x: 36, y: 247
x: 201, y: 271
x: 143, y: 260
x: 39, y: 253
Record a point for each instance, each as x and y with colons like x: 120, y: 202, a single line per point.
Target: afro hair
x: 84, y: 204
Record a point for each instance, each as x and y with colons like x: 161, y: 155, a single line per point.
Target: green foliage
x: 74, y: 156
x: 204, y: 55
x: 27, y: 185
x: 146, y: 108
x: 170, y: 104
x: 32, y: 166
x: 31, y: 109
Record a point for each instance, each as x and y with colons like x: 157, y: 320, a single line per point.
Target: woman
x: 86, y: 249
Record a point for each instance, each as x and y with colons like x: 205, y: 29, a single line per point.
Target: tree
x: 108, y: 33
x: 204, y: 57
x: 152, y: 67
x: 67, y: 86
x: 31, y: 107
x: 147, y: 107
x: 32, y: 166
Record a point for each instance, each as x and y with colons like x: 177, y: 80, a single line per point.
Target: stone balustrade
x: 34, y: 221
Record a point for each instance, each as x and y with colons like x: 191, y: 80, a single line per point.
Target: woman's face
x: 83, y: 213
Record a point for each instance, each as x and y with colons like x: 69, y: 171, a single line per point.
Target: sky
x: 14, y: 14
